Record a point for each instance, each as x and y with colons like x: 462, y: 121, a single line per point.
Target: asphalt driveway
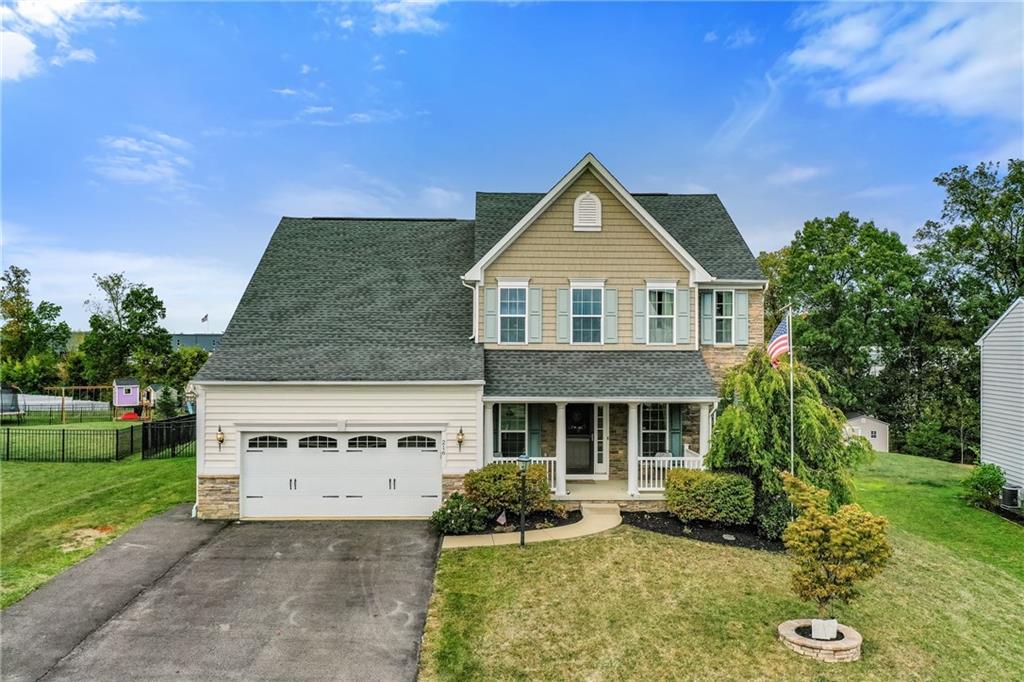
x: 318, y: 600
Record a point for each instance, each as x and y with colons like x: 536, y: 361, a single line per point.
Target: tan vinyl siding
x: 1002, y: 395
x: 458, y: 406
x: 624, y: 253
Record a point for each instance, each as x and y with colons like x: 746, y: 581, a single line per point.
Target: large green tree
x: 854, y: 289
x: 125, y: 335
x: 28, y: 329
x: 752, y: 435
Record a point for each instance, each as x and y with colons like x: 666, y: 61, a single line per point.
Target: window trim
x: 525, y: 430
x: 647, y: 328
x: 576, y: 285
x: 515, y: 284
x: 667, y: 430
x: 715, y: 318
x: 585, y: 227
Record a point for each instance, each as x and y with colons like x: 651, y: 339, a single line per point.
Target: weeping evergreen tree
x: 751, y: 436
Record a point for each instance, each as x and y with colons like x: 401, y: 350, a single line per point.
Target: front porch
x: 601, y: 451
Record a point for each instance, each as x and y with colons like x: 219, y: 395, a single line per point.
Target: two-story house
x: 372, y: 362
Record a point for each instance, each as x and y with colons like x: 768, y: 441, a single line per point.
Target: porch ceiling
x: 597, y: 374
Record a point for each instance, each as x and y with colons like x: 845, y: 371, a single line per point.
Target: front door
x: 586, y: 440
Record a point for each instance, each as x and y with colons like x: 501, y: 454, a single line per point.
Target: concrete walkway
x: 597, y: 518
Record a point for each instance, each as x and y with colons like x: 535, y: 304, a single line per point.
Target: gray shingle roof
x: 355, y: 300
x: 699, y: 222
x: 597, y: 374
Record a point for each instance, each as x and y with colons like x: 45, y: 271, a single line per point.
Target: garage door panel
x: 295, y: 482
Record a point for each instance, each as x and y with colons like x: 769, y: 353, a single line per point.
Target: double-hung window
x: 661, y: 316
x: 653, y: 429
x: 587, y: 315
x: 512, y: 314
x: 724, y: 316
x: 512, y: 429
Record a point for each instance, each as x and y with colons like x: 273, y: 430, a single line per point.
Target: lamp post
x: 524, y: 462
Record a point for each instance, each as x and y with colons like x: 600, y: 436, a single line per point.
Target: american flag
x: 205, y: 317
x: 779, y: 343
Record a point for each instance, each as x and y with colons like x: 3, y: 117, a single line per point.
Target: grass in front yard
x: 105, y: 425
x: 636, y: 605
x: 53, y: 515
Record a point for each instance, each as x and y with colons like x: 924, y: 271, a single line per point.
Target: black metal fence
x: 175, y: 437
x: 51, y: 414
x: 70, y: 444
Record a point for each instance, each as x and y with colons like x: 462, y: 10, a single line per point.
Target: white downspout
x: 476, y: 306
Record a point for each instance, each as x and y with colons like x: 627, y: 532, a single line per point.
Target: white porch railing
x: 653, y: 470
x: 548, y: 462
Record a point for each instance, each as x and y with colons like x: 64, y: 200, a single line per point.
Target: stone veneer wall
x: 217, y: 497
x: 720, y: 359
x: 451, y: 483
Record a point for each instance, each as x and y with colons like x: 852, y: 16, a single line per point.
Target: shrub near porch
x: 694, y: 495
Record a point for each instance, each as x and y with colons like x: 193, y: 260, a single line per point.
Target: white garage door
x: 288, y: 475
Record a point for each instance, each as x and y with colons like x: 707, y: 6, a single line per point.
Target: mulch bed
x: 535, y: 521
x: 736, y: 536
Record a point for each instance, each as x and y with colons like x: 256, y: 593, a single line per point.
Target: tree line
x: 125, y: 338
x: 893, y: 326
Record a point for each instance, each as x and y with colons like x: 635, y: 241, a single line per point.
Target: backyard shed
x: 127, y: 392
x: 1002, y: 393
x: 875, y: 430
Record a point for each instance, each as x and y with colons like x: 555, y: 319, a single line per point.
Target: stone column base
x: 451, y: 483
x: 217, y: 497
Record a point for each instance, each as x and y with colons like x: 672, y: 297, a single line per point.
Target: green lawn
x: 104, y: 425
x: 630, y: 604
x: 53, y: 515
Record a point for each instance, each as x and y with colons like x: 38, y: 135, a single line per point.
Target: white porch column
x: 633, y: 449
x: 560, y: 449
x: 705, y: 428
x: 488, y: 433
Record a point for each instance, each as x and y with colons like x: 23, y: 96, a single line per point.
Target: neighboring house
x: 1002, y: 393
x: 207, y: 342
x: 127, y: 393
x: 372, y: 362
x: 875, y: 430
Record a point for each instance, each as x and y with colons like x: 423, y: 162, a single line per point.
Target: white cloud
x: 345, y: 23
x: 378, y: 63
x: 410, y: 16
x: 56, y: 22
x: 746, y: 114
x: 306, y: 69
x: 740, y: 38
x: 710, y: 37
x: 440, y: 199
x: 313, y: 111
x: 961, y: 59
x: 189, y: 285
x: 880, y: 192
x: 285, y: 92
x: 373, y: 116
x: 18, y: 58
x: 151, y: 158
x: 793, y: 175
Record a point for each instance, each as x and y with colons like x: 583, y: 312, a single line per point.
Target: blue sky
x: 166, y: 139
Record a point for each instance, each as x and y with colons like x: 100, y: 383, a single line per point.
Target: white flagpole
x: 792, y: 361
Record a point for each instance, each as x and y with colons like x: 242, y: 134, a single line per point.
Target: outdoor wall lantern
x: 460, y: 437
x: 524, y: 462
x: 220, y: 437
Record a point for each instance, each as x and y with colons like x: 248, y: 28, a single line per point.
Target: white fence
x: 653, y: 470
x: 548, y: 462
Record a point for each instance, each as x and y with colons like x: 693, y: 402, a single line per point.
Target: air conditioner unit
x: 1012, y: 496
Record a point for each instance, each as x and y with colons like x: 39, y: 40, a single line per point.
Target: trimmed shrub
x: 496, y: 487
x: 983, y: 486
x: 833, y: 551
x: 694, y: 495
x: 460, y: 515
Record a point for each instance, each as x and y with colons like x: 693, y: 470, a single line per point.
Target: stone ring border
x: 845, y: 650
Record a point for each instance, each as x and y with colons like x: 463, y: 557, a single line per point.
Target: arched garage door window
x: 421, y: 442
x: 320, y: 442
x: 363, y: 442
x: 259, y: 442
